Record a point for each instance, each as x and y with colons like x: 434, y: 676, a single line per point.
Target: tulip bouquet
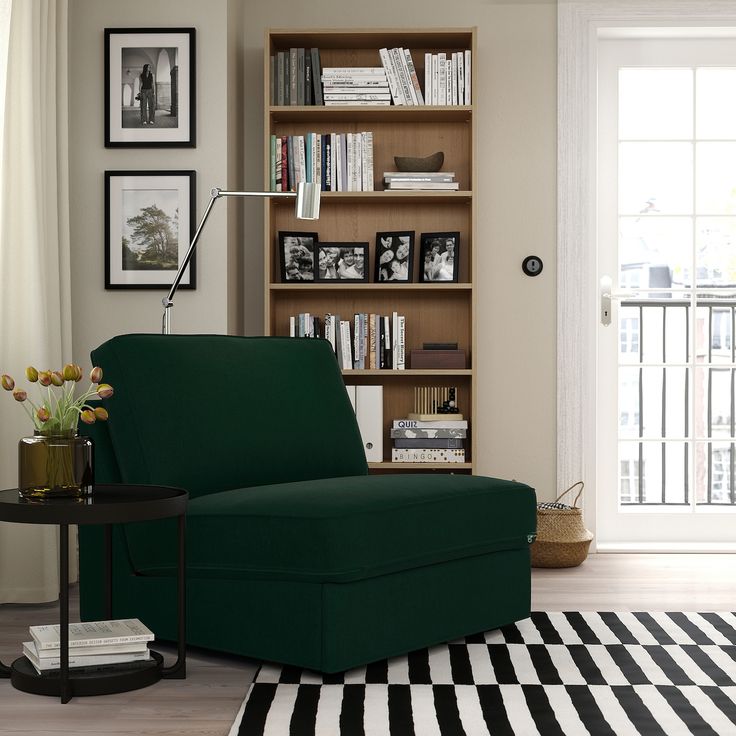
x: 59, y: 411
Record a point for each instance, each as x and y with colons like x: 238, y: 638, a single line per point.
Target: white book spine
x: 301, y: 159
x: 398, y: 60
x: 351, y: 71
x: 468, y: 79
x: 448, y: 81
x: 416, y: 89
x: 453, y: 77
x: 435, y: 79
x: 358, y: 146
x: 92, y: 633
x: 338, y: 154
x: 368, y: 151
x: 350, y: 148
x: 401, y: 362
x: 442, y: 79
x: 395, y: 338
x: 409, y: 92
x: 460, y: 78
x: 347, y: 353
x: 428, y: 79
x: 393, y: 84
x: 405, y: 455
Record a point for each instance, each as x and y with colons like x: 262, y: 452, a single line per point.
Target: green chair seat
x: 343, y: 529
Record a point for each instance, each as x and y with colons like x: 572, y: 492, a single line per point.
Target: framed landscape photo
x: 150, y: 88
x: 342, y: 262
x: 296, y: 255
x: 149, y: 223
x: 394, y: 256
x: 438, y: 257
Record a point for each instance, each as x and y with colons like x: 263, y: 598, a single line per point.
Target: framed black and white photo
x: 438, y: 257
x: 149, y: 223
x: 150, y: 88
x: 342, y: 262
x: 394, y: 256
x: 296, y: 255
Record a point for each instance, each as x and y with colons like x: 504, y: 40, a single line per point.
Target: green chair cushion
x: 343, y: 529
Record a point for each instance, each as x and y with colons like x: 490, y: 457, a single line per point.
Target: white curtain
x: 35, y: 283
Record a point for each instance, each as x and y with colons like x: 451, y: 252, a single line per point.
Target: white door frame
x: 578, y: 24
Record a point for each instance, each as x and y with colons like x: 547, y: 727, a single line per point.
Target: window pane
x: 655, y: 178
x: 654, y: 251
x: 716, y: 178
x: 713, y: 473
x: 675, y: 480
x: 716, y: 254
x: 713, y: 409
x: 655, y: 104
x: 714, y: 332
x: 715, y: 104
x: 628, y: 402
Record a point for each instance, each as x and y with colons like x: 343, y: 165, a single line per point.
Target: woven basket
x: 562, y: 539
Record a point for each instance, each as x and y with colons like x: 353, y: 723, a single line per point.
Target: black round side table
x: 108, y: 505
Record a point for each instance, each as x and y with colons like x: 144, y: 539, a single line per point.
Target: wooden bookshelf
x: 437, y: 312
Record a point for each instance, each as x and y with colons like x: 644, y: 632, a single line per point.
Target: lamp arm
x: 216, y: 193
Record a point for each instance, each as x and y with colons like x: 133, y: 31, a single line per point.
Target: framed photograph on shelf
x: 150, y: 88
x: 296, y: 255
x: 394, y: 256
x: 342, y: 262
x: 149, y: 223
x: 438, y: 257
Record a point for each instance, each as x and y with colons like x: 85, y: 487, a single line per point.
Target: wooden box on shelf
x: 434, y: 312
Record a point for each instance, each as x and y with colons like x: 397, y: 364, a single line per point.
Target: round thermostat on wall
x: 532, y: 266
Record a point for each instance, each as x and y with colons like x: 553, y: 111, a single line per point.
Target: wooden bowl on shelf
x: 433, y: 162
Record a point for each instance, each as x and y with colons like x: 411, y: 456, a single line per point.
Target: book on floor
x: 92, y: 633
x: 76, y: 660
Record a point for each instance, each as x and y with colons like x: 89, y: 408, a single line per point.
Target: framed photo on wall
x: 438, y: 257
x: 150, y: 88
x: 296, y: 255
x: 149, y: 223
x: 394, y: 256
x: 342, y: 262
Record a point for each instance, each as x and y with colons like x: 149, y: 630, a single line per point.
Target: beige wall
x: 516, y: 108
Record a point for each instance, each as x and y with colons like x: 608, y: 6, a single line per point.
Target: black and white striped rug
x: 554, y: 674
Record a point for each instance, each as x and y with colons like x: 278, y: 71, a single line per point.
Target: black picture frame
x: 344, y: 262
x: 139, y: 207
x: 441, y: 266
x: 297, y: 256
x: 394, y: 263
x: 170, y: 54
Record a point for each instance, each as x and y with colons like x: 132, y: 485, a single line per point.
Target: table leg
x: 64, y: 685
x: 108, y: 568
x: 178, y: 670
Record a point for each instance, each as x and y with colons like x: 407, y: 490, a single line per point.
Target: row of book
x: 340, y: 162
x: 297, y: 78
x: 93, y: 645
x: 440, y: 440
x: 442, y: 180
x: 369, y: 341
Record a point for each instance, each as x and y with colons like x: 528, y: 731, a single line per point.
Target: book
x: 92, y: 633
x: 429, y: 175
x: 391, y: 77
x: 126, y: 647
x: 441, y: 185
x: 300, y: 76
x: 413, y: 78
x: 419, y: 417
x: 430, y: 443
x: 425, y: 455
x: 317, y: 77
x: 42, y: 664
x: 440, y: 433
x: 293, y: 75
x: 308, y: 88
x: 352, y: 71
x: 441, y: 424
x: 362, y: 103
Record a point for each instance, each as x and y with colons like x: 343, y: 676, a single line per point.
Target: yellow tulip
x: 19, y: 395
x: 78, y: 372
x: 95, y: 374
x: 44, y: 378
x: 69, y: 372
x: 31, y: 374
x: 7, y: 382
x: 101, y: 413
x: 43, y: 414
x: 57, y: 379
x: 104, y: 390
x: 87, y: 416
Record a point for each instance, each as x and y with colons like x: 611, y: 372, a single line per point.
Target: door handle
x: 605, y: 298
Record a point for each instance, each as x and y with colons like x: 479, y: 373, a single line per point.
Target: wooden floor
x: 207, y: 701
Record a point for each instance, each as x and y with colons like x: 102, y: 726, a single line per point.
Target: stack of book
x: 93, y: 645
x: 360, y: 85
x: 402, y: 76
x: 440, y: 440
x: 443, y: 180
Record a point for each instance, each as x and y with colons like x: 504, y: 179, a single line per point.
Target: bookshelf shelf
x: 435, y: 312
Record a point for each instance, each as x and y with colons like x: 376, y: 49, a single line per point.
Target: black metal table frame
x: 175, y: 671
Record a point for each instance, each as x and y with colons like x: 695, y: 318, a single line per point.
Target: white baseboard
x: 666, y: 547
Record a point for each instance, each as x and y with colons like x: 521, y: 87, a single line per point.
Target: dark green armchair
x: 294, y: 553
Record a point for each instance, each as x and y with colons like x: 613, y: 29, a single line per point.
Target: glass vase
x: 55, y: 465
